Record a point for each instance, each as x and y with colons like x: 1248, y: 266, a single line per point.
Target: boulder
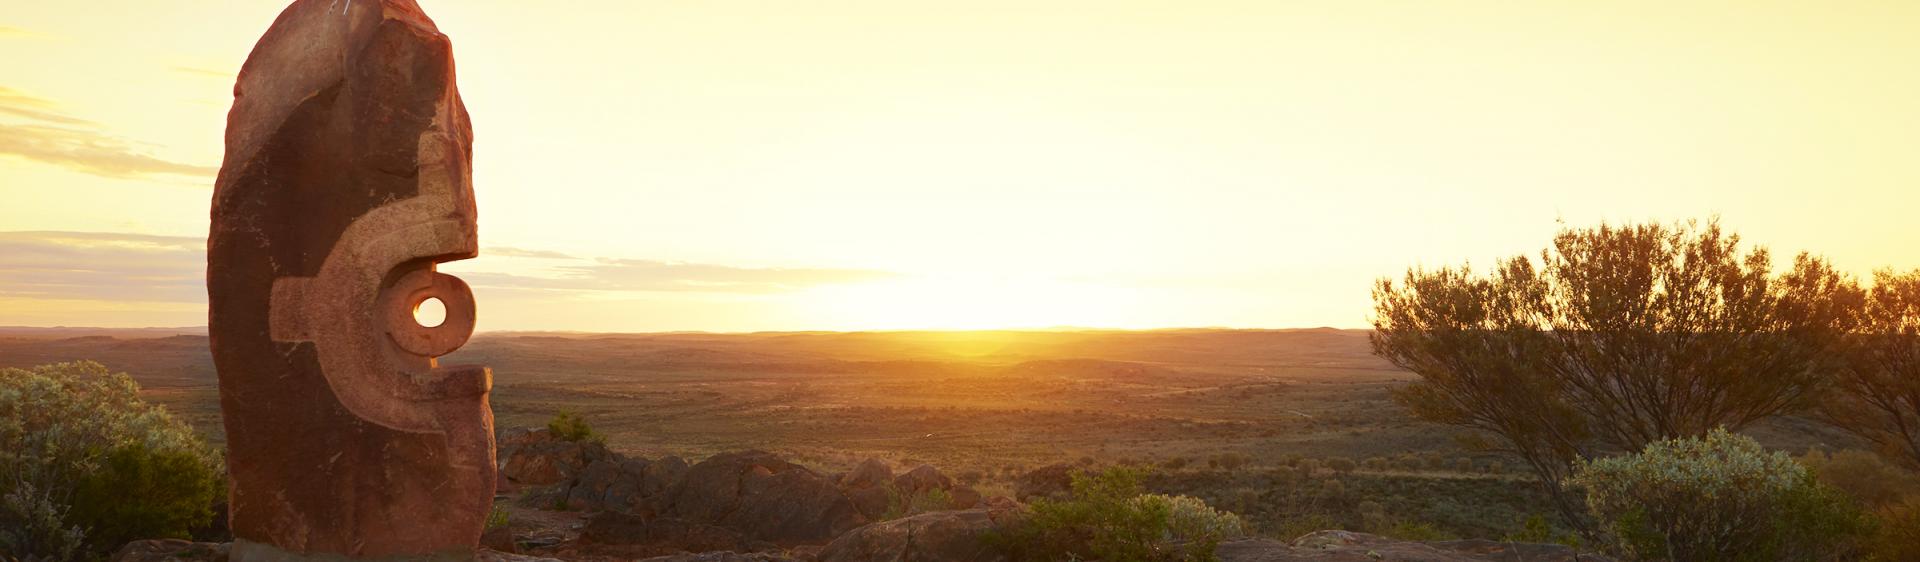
x: 1051, y: 481
x: 589, y: 490
x: 940, y: 536
x: 722, y: 557
x: 552, y: 462
x: 658, y: 476
x: 617, y: 528
x: 965, y: 497
x: 169, y: 550
x: 763, y: 497
x: 922, y: 479
x: 870, y: 473
x: 871, y: 502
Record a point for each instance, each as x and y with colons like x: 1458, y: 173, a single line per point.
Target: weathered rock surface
x: 667, y: 533
x: 940, y: 536
x: 346, y: 178
x: 1051, y: 481
x: 763, y: 497
x: 162, y: 550
x: 1348, y: 546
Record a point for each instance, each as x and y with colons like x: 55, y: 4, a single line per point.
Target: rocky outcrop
x: 1051, y: 481
x: 763, y: 497
x: 667, y: 533
x: 1348, y: 546
x: 941, y: 536
x: 866, y: 486
x: 550, y: 461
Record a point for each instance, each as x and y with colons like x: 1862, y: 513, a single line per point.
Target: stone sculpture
x: 345, y: 180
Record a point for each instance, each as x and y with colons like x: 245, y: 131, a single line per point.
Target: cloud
x: 607, y: 274
x: 116, y: 267
x: 102, y: 266
x: 506, y: 252
x: 60, y: 139
x: 5, y: 30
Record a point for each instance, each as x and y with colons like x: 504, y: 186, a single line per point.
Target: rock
x: 485, y: 555
x: 1051, y: 481
x: 763, y: 497
x: 499, y: 539
x: 619, y: 528
x: 940, y: 536
x: 660, y: 475
x: 922, y: 479
x: 870, y: 473
x: 345, y: 180
x: 551, y: 462
x: 872, y: 503
x: 1348, y: 546
x: 965, y: 497
x: 589, y: 491
x: 167, y: 550
x: 511, y: 440
x: 722, y: 557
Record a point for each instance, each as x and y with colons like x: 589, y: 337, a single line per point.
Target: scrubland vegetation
x: 1655, y: 392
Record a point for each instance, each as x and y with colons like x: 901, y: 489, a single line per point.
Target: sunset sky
x: 739, y: 166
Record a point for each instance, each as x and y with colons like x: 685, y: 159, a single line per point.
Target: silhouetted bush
x: 86, y: 465
x: 1718, y: 497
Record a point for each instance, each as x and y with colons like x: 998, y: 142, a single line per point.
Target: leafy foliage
x: 568, y: 425
x: 1108, y: 518
x: 79, y: 446
x: 1879, y: 396
x: 1615, y: 338
x: 1718, y: 497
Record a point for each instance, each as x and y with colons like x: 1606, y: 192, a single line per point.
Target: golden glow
x: 736, y: 165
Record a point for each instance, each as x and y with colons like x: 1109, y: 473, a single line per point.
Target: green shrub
x: 1718, y: 497
x: 1108, y: 518
x: 497, y: 517
x: 79, y: 447
x: 1413, y: 531
x: 1863, y: 475
x: 570, y: 426
x: 1535, y: 529
x: 139, y: 493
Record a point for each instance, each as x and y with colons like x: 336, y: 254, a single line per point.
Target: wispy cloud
x: 507, y: 252
x: 144, y: 268
x: 57, y: 138
x: 102, y: 266
x: 8, y: 30
x: 661, y: 276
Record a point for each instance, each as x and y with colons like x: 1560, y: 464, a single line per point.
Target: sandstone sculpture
x: 346, y: 179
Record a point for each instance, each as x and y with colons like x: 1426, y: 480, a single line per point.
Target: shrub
x: 1863, y: 475
x: 138, y: 493
x: 1463, y: 464
x: 1341, y: 465
x: 1107, y: 518
x: 84, y: 456
x: 1718, y: 497
x: 497, y: 518
x: 1229, y: 461
x: 1308, y: 467
x: 570, y: 426
x: 1176, y: 463
x: 1375, y: 463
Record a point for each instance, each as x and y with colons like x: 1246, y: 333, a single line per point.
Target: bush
x: 1108, y: 518
x: 1175, y: 463
x: 1375, y: 463
x: 570, y: 426
x: 1463, y: 464
x: 1341, y: 465
x: 1718, y: 497
x: 1863, y: 475
x: 905, y: 504
x: 86, y: 457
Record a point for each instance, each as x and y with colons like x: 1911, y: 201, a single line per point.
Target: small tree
x: 1617, y: 338
x: 1879, y: 386
x: 1720, y: 497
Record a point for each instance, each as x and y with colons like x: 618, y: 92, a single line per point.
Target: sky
x: 719, y: 165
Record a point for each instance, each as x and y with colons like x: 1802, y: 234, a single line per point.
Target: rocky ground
x: 579, y: 501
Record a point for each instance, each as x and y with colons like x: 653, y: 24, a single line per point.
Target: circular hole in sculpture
x: 430, y: 313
